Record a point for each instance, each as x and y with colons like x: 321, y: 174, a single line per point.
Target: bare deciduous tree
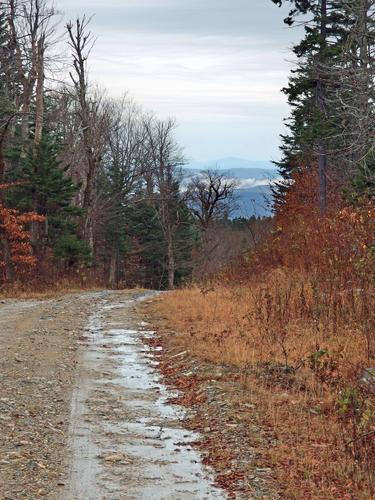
x: 31, y: 34
x: 210, y: 197
x: 92, y: 115
x: 124, y: 164
x: 164, y: 159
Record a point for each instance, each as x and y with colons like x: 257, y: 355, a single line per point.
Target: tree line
x: 90, y: 185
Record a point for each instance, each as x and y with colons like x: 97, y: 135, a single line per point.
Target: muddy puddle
x: 127, y: 442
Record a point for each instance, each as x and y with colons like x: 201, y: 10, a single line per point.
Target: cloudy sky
x: 216, y: 65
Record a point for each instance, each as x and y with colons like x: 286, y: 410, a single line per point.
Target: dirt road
x: 84, y: 414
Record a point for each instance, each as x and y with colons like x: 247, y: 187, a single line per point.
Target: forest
x: 91, y: 185
x: 92, y: 195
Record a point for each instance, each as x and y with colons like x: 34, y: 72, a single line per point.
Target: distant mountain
x: 253, y: 201
x: 231, y: 163
x: 242, y: 174
x: 253, y: 195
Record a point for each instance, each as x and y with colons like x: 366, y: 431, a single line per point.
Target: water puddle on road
x: 127, y: 442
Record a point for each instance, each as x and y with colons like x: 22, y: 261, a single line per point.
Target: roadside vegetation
x: 304, y: 349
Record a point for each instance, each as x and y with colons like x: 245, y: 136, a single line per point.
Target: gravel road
x: 83, y: 411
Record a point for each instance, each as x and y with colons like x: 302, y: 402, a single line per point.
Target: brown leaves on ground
x: 211, y: 400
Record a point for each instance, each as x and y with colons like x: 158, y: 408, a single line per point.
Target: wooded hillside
x: 90, y: 185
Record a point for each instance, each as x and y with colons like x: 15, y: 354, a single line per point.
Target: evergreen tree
x: 7, y: 108
x: 324, y: 128
x: 308, y: 123
x: 7, y: 70
x: 45, y: 188
x: 114, y: 226
x: 363, y: 185
x: 7, y: 117
x: 147, y: 247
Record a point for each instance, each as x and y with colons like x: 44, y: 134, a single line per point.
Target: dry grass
x: 301, y: 351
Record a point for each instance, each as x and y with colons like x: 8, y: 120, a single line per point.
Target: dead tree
x: 31, y: 30
x: 210, y: 197
x: 81, y: 43
x: 29, y: 35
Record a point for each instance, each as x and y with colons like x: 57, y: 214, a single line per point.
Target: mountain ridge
x: 229, y: 163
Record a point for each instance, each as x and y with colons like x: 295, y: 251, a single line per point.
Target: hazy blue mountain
x: 253, y: 201
x: 255, y: 173
x: 253, y: 195
x: 230, y: 163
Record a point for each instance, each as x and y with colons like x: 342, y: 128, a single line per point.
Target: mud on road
x: 83, y: 413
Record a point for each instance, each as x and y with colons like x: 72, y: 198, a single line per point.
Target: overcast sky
x: 217, y: 66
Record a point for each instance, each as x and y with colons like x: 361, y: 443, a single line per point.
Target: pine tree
x: 114, y: 190
x: 7, y: 115
x: 147, y: 249
x: 363, y: 185
x: 7, y: 107
x: 308, y: 123
x: 145, y: 244
x: 44, y: 188
x: 324, y: 128
x: 355, y: 77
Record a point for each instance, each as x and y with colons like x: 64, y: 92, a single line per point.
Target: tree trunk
x: 88, y: 202
x: 7, y: 256
x: 114, y: 268
x: 171, y: 263
x: 80, y: 42
x: 88, y: 230
x: 320, y: 97
x: 39, y: 117
x: 35, y: 236
x: 39, y: 111
x: 322, y: 174
x: 8, y: 263
x: 28, y: 88
x: 366, y: 120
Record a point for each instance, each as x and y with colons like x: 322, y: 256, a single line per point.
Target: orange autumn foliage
x: 296, y: 317
x: 339, y: 247
x: 15, y: 236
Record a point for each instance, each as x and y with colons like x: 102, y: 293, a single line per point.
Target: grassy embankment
x: 302, y: 353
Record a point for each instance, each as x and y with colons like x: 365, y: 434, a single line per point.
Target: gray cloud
x: 217, y: 65
x: 208, y: 17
